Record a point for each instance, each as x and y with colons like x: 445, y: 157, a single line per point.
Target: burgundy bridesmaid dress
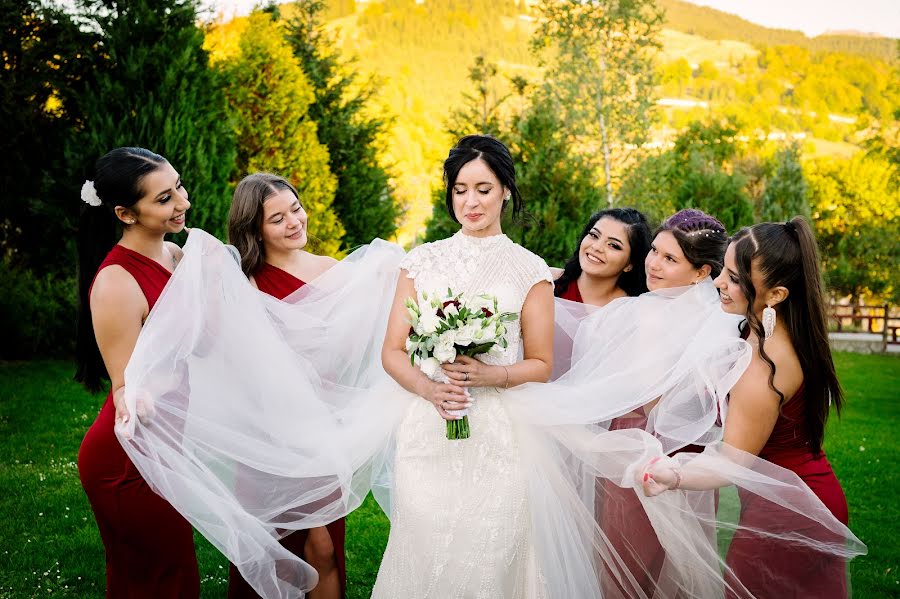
x: 572, y: 293
x: 280, y: 284
x: 149, y: 545
x: 770, y: 567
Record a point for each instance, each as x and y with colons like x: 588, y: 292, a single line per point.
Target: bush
x: 37, y: 314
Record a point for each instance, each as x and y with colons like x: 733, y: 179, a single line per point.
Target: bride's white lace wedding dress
x: 460, y: 524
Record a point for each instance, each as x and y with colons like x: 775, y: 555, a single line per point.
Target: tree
x: 602, y: 68
x: 556, y: 183
x: 46, y: 57
x: 856, y: 213
x: 363, y: 199
x: 270, y: 96
x: 698, y: 172
x: 155, y: 89
x: 785, y: 194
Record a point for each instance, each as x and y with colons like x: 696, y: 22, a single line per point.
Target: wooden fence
x: 880, y: 319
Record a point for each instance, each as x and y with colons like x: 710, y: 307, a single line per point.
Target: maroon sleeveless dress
x: 771, y: 567
x: 279, y: 284
x: 572, y: 293
x: 149, y: 546
x: 622, y: 519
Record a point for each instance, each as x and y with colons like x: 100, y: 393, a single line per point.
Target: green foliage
x: 856, y: 212
x: 698, y: 172
x: 785, y: 194
x: 270, y: 96
x: 155, y: 89
x: 602, y: 67
x: 37, y: 313
x: 363, y: 199
x: 556, y: 183
x: 45, y: 59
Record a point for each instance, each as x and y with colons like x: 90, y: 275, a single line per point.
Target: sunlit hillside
x: 422, y: 53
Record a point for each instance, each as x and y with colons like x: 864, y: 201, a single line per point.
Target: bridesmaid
x: 609, y: 261
x: 687, y: 249
x: 268, y: 226
x: 778, y: 408
x: 149, y: 546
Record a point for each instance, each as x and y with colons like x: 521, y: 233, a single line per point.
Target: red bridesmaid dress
x: 280, y: 284
x: 770, y: 567
x: 572, y: 293
x: 149, y: 545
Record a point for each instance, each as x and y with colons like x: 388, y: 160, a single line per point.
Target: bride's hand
x: 447, y: 397
x: 469, y: 372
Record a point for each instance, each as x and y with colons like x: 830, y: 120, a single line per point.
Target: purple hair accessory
x: 690, y: 220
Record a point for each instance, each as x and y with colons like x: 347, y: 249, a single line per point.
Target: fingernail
x: 646, y: 476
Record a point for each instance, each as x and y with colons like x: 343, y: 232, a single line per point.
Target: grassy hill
x: 822, y: 89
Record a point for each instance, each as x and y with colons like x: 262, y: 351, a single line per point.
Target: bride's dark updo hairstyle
x: 118, y: 178
x: 701, y: 237
x: 494, y: 154
x: 786, y: 255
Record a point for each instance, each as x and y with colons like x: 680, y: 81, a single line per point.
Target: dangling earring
x: 768, y: 320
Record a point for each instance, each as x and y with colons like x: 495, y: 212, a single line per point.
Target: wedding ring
x: 467, y: 377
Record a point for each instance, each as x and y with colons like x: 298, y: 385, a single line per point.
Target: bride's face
x: 478, y: 199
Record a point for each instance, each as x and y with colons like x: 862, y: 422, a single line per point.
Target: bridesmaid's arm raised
x: 442, y: 396
x: 118, y: 310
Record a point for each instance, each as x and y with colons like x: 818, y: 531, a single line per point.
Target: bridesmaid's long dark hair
x: 117, y: 180
x: 786, y: 255
x: 633, y: 282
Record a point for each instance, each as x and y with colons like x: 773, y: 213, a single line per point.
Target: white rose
x: 450, y: 310
x: 466, y: 334
x: 430, y: 366
x: 443, y: 348
x: 428, y: 323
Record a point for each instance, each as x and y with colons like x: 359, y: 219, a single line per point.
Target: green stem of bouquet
x: 458, y: 429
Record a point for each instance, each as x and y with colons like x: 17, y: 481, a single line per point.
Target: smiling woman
x: 149, y: 546
x: 268, y: 226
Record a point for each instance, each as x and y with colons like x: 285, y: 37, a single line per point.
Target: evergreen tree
x: 270, y: 96
x: 364, y: 198
x: 785, y: 195
x: 45, y: 59
x: 698, y: 172
x: 155, y: 89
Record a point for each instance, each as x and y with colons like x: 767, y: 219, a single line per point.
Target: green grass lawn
x: 51, y: 547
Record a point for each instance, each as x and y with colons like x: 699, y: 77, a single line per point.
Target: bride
x: 460, y: 519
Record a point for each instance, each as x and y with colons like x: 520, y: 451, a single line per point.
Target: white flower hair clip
x: 89, y: 194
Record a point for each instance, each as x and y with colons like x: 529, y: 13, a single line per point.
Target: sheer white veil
x: 256, y: 417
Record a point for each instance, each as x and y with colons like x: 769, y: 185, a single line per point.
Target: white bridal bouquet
x: 442, y: 327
